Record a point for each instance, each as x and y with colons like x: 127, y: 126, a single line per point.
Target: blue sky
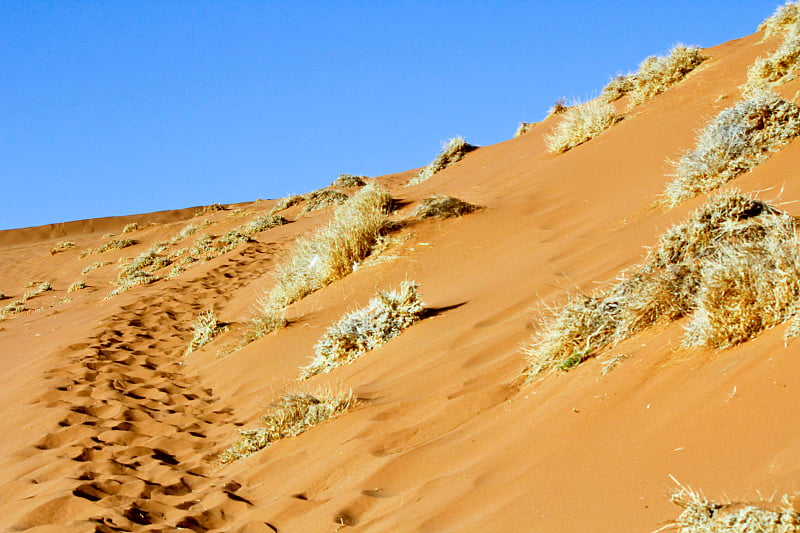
x: 113, y: 108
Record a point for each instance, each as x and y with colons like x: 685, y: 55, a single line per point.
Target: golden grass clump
x: 206, y: 327
x: 286, y: 203
x: 657, y: 74
x: 349, y: 180
x: 700, y: 515
x: 113, y: 244
x: 775, y: 68
x: 618, y: 87
x: 738, y: 139
x: 733, y: 266
x: 44, y: 286
x: 212, y: 208
x: 581, y: 123
x: 291, y: 415
x: 95, y: 265
x: 62, y: 247
x: 452, y: 151
x: 332, y: 252
x: 130, y: 228
x: 324, y: 199
x: 76, y: 286
x: 559, y: 107
x: 382, y: 319
x: 440, y: 206
x: 786, y: 17
x: 524, y: 127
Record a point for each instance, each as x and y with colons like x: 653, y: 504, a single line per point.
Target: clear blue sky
x: 112, y: 108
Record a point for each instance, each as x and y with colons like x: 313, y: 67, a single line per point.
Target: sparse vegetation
x: 210, y: 209
x: 703, y: 516
x: 732, y: 266
x: 657, y: 74
x: 440, y: 206
x: 286, y: 203
x: 778, y: 66
x: 349, y: 180
x: 130, y: 228
x: 43, y: 286
x: 95, y: 265
x: 618, y: 87
x: 15, y: 307
x: 581, y: 123
x: 290, y: 415
x: 76, y: 286
x: 452, y: 151
x: 324, y: 199
x: 738, y: 139
x: 524, y: 127
x: 206, y: 327
x: 365, y: 329
x: 559, y: 107
x: 786, y: 17
x: 61, y: 247
x: 113, y: 244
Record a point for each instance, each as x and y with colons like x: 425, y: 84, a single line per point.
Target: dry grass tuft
x: 775, y: 68
x: 61, y: 247
x: 452, y: 151
x: 76, y: 286
x: 580, y: 123
x: 618, y: 87
x: 700, y: 515
x: 324, y: 199
x: 786, y: 17
x: 95, y: 265
x: 733, y: 266
x: 365, y: 329
x: 113, y: 244
x: 290, y: 415
x: 286, y: 203
x: 206, y: 327
x: 130, y: 228
x: 210, y: 209
x: 440, y: 206
x: 524, y: 127
x: 657, y: 74
x: 738, y: 139
x: 559, y: 107
x: 349, y: 180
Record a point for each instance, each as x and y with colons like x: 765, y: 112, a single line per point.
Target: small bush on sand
x: 286, y: 203
x: 210, y: 209
x: 618, y: 87
x: 365, y: 329
x: 242, y: 234
x: 331, y: 252
x: 206, y: 327
x: 440, y: 206
x: 702, y: 516
x: 290, y: 415
x: 580, y: 123
x: 95, y: 265
x: 733, y: 266
x: 738, y: 139
x: 113, y: 244
x: 657, y: 74
x: 524, y: 127
x: 15, y: 307
x: 324, y: 199
x: 130, y: 228
x: 775, y: 68
x: 42, y: 287
x: 786, y: 17
x: 559, y: 107
x: 61, y: 247
x: 452, y: 151
x: 2, y: 296
x: 76, y: 286
x: 349, y: 180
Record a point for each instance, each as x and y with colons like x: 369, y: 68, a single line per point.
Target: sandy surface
x: 106, y: 426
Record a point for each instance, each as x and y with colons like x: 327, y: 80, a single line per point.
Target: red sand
x: 106, y: 426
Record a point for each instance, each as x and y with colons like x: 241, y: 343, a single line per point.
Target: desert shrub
x: 580, y: 123
x: 43, y: 286
x: 786, y: 17
x: 113, y: 244
x: 290, y: 415
x: 738, y: 139
x: 286, y: 203
x: 242, y: 234
x: 657, y: 74
x: 61, y: 247
x: 332, y: 252
x: 618, y: 87
x: 383, y: 319
x: 452, y: 151
x: 440, y: 206
x: 15, y: 307
x: 210, y: 209
x: 731, y: 266
x: 2, y: 296
x: 130, y: 228
x: 324, y: 199
x: 349, y: 180
x: 141, y: 271
x: 772, y: 69
x: 206, y: 327
x: 700, y: 515
x: 559, y: 107
x: 524, y: 127
x: 95, y: 265
x: 76, y: 286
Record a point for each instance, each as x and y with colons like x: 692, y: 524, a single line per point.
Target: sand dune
x: 107, y: 425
